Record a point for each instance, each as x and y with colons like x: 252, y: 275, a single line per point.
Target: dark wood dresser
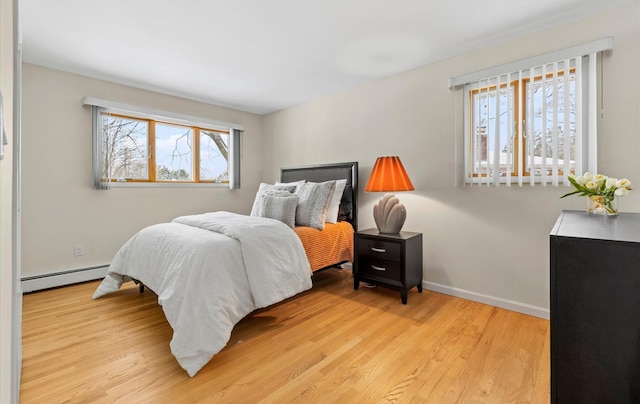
x: 595, y: 308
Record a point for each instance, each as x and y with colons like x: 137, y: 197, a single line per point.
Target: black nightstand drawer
x: 379, y: 249
x: 380, y: 268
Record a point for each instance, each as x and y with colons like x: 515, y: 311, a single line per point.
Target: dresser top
x: 624, y: 227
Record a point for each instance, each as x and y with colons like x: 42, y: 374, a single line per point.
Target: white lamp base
x: 389, y: 214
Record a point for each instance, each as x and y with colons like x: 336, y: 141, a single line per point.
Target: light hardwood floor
x: 329, y: 344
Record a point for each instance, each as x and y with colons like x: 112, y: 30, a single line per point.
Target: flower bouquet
x: 601, y: 191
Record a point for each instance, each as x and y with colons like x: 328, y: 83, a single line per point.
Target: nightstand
x: 389, y: 260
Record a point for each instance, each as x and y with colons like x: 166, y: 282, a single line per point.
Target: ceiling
x: 261, y: 56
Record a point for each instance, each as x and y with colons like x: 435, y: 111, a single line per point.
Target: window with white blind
x: 136, y: 145
x: 532, y: 121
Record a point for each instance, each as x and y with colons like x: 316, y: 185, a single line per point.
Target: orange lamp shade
x: 388, y: 175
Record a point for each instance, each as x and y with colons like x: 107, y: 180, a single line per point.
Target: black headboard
x: 327, y: 172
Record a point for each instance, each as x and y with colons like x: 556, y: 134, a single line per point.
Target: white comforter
x: 209, y: 271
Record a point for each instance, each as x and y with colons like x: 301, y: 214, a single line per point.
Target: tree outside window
x: 150, y: 151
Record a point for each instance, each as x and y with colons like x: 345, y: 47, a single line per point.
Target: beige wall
x: 7, y: 379
x: 483, y: 243
x: 490, y: 244
x: 59, y: 207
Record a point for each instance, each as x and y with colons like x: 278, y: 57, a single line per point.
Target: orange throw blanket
x: 326, y: 247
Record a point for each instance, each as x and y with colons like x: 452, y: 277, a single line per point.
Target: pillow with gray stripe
x: 279, y: 205
x: 264, y: 187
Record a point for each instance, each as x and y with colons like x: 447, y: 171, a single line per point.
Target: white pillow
x: 313, y: 198
x: 334, y: 201
x: 279, y: 205
x: 294, y: 183
x: 268, y: 187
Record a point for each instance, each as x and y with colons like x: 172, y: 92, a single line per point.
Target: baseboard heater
x: 64, y: 278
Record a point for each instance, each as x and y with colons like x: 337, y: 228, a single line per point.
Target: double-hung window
x: 132, y: 145
x: 532, y: 121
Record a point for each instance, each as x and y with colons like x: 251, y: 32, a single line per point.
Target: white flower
x: 611, y: 182
x: 623, y: 183
x: 599, y: 186
x: 621, y: 192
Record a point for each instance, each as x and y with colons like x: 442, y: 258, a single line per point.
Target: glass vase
x: 600, y: 205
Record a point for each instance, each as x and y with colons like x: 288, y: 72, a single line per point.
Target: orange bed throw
x: 326, y: 247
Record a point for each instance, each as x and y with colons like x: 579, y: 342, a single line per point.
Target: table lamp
x: 388, y: 175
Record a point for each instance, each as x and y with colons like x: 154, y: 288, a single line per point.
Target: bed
x: 211, y: 270
x: 333, y: 245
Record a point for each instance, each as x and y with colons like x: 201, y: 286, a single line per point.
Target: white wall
x: 7, y: 378
x: 59, y: 207
x: 489, y: 244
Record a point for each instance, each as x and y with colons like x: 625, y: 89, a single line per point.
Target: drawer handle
x: 380, y: 250
x: 378, y: 268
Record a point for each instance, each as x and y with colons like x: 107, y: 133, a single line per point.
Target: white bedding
x: 209, y: 271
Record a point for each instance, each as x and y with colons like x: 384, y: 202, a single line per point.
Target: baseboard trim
x: 54, y: 280
x: 34, y: 283
x: 490, y: 300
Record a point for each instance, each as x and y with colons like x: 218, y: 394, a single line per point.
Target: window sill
x: 134, y: 184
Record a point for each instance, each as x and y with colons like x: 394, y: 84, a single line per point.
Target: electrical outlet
x: 78, y: 250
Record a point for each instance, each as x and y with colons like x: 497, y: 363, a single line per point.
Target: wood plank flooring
x: 329, y: 344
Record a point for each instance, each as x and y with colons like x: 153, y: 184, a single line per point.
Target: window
x: 532, y: 121
x: 147, y: 150
x: 125, y: 148
x: 154, y: 147
x: 539, y: 105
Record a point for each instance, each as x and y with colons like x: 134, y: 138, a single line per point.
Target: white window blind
x: 165, y: 116
x: 530, y: 123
